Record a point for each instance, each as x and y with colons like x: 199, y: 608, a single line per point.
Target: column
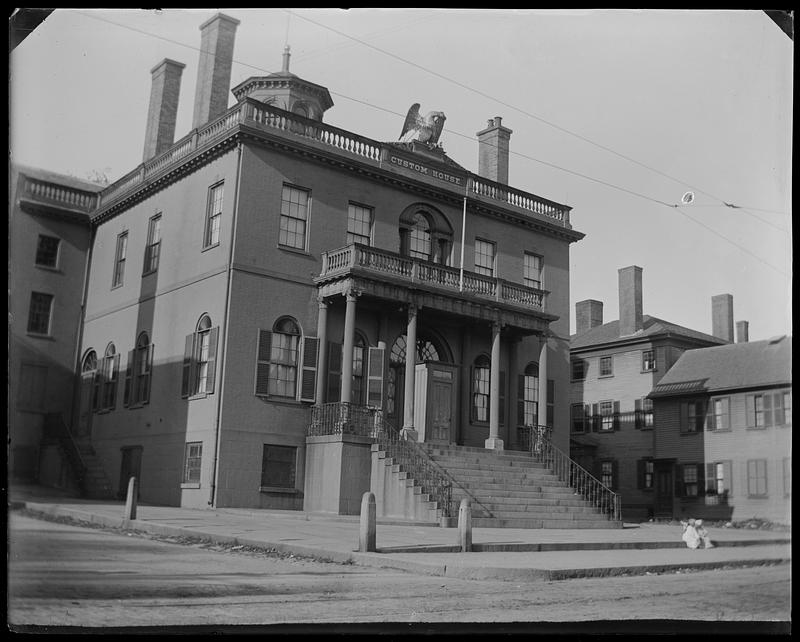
x: 408, y: 431
x: 542, y: 418
x: 322, y: 357
x: 514, y: 419
x: 347, y: 348
x: 494, y: 442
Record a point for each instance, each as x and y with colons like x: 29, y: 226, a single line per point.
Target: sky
x: 616, y: 113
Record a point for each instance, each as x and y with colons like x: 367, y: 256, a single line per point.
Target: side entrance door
x: 131, y: 466
x: 441, y: 403
x: 664, y: 488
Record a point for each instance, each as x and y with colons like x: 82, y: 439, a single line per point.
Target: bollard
x: 367, y: 529
x: 130, y: 502
x: 465, y: 526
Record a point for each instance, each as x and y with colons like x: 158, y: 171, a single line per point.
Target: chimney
x: 742, y: 331
x: 163, y: 110
x: 493, y: 151
x: 630, y: 300
x: 588, y: 315
x: 214, y: 69
x: 722, y: 317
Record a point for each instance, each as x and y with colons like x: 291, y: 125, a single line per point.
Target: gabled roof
x: 652, y: 327
x: 757, y: 364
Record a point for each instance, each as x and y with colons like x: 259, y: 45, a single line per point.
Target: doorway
x: 131, y: 466
x: 664, y: 488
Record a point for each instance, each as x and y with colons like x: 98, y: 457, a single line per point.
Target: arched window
x: 286, y: 362
x: 419, y: 238
x: 283, y: 358
x: 138, y: 373
x: 359, y: 360
x: 480, y: 388
x: 528, y: 396
x: 91, y: 377
x: 199, y: 359
x: 89, y: 362
x: 109, y: 372
x: 427, y: 350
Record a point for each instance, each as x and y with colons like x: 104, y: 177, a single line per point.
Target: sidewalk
x: 498, y: 553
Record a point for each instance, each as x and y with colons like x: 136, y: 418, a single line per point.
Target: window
x: 359, y: 224
x: 419, y: 238
x: 294, y: 217
x: 47, y: 251
x: 359, y: 354
x: 787, y: 476
x: 648, y: 360
x: 153, y: 249
x: 485, y: 257
x: 646, y: 470
x: 769, y: 409
x: 757, y: 477
x: 690, y: 480
x: 213, y: 215
x: 643, y: 413
x: 109, y: 373
x: 719, y: 479
x: 578, y: 369
x: 581, y: 416
x: 719, y: 416
x: 199, y: 359
x: 119, y: 260
x: 32, y: 387
x: 532, y: 276
x: 192, y: 462
x: 607, y: 417
x: 480, y: 389
x: 280, y: 367
x: 608, y: 474
x: 528, y: 411
x: 693, y: 415
x: 278, y: 466
x: 138, y: 372
x: 606, y: 366
x: 39, y: 313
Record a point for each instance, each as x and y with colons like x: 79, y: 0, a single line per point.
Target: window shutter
x: 263, y: 354
x: 701, y: 478
x: 308, y: 376
x: 711, y: 479
x: 727, y: 477
x: 595, y: 418
x: 213, y: 341
x: 777, y: 405
x: 126, y: 395
x: 711, y: 417
x: 188, y: 354
x: 587, y: 417
x: 375, y: 377
x: 473, y: 414
x: 640, y: 468
x: 334, y: 371
x: 521, y: 400
x: 684, y: 416
x: 616, y: 423
x: 502, y: 399
x: 750, y: 410
x: 96, y: 387
x: 112, y: 401
x: 637, y: 415
x: 679, y: 489
x: 767, y: 409
x: 147, y: 374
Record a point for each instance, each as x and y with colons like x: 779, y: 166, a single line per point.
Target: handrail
x: 542, y: 449
x: 56, y: 428
x: 349, y: 418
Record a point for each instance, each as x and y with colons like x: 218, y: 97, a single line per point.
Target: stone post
x: 130, y: 501
x: 367, y: 525
x: 465, y: 526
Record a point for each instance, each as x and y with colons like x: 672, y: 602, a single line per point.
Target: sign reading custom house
x: 425, y: 170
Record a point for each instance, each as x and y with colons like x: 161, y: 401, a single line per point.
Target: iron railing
x: 348, y: 418
x: 55, y: 429
x: 538, y: 441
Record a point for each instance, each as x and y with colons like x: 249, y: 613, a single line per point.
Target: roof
x: 59, y: 179
x: 757, y: 364
x: 652, y: 327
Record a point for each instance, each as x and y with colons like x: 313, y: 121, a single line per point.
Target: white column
x: 494, y: 442
x: 408, y: 431
x: 322, y: 356
x: 347, y: 348
x: 542, y: 418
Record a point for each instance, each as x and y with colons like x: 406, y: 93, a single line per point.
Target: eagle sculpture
x: 425, y: 129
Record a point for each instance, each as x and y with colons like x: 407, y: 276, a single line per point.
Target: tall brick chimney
x: 742, y: 331
x: 163, y: 110
x: 722, y: 317
x: 214, y: 70
x: 630, y: 300
x: 493, y: 145
x: 588, y: 315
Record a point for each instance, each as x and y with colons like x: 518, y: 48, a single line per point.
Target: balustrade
x: 45, y: 191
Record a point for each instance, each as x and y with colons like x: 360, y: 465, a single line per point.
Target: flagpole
x: 463, y: 232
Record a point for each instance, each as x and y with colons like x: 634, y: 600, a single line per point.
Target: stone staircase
x: 96, y: 484
x: 509, y: 489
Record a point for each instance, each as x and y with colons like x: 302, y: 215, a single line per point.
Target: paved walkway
x: 500, y: 553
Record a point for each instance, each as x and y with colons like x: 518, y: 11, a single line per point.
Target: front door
x: 131, y: 466
x: 664, y: 489
x: 441, y: 403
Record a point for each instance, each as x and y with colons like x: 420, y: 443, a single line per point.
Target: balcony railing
x: 58, y: 195
x: 257, y: 115
x: 414, y: 271
x: 538, y: 441
x: 347, y: 418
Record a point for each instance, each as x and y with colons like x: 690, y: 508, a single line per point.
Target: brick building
x: 255, y: 287
x: 614, y: 367
x: 723, y: 448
